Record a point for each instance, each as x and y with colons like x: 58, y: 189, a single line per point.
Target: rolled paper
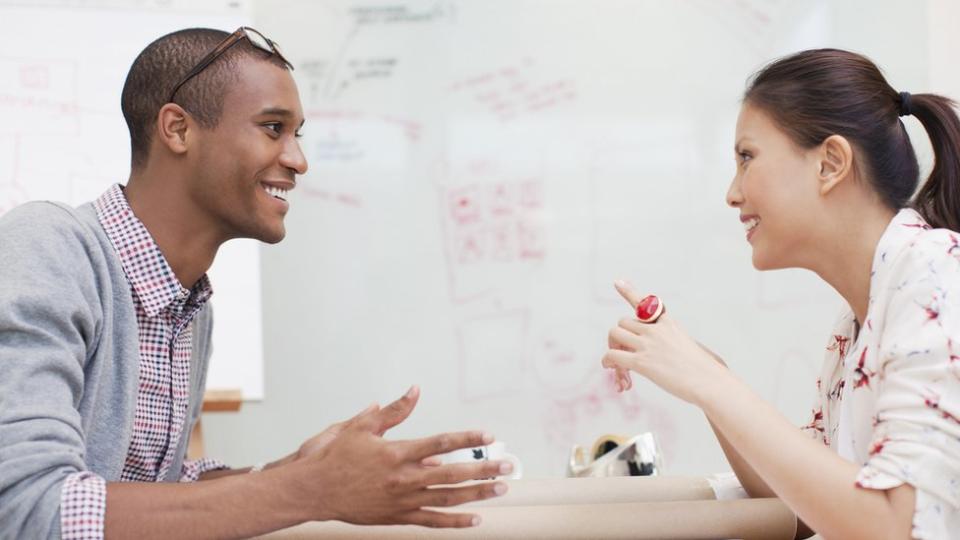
x: 750, y: 519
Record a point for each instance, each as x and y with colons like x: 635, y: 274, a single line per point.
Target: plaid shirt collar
x: 148, y: 271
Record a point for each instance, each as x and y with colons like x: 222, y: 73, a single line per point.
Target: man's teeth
x: 275, y: 192
x: 751, y: 223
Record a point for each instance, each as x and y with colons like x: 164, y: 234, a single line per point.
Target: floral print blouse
x: 889, y: 392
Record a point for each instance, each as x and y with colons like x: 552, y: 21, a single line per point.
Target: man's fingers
x: 455, y: 473
x: 396, y: 412
x: 431, y: 518
x: 373, y: 407
x: 443, y: 497
x: 443, y: 443
x: 627, y: 292
x: 431, y: 461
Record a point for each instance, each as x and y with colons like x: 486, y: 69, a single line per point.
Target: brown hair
x: 817, y: 93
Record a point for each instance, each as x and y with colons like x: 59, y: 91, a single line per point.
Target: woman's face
x: 776, y: 190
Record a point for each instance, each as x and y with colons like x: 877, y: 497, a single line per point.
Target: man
x: 104, y: 330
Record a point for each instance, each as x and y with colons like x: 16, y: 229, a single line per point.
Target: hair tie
x: 905, y: 104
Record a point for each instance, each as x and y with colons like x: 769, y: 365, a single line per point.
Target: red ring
x: 649, y: 309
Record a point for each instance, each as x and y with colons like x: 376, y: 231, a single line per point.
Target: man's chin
x: 273, y: 237
x: 267, y: 233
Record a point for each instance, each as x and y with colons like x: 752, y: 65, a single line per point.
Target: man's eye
x: 276, y: 127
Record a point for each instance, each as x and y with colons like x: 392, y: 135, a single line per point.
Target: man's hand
x: 313, y: 445
x: 319, y: 442
x: 351, y: 473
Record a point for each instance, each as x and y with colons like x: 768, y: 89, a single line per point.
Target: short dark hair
x: 817, y: 93
x: 161, y: 65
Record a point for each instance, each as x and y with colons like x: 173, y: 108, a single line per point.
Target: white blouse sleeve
x: 916, y: 436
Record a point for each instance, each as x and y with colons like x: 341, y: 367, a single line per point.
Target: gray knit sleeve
x: 50, y: 316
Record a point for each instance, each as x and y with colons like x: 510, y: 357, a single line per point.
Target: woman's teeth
x: 751, y: 223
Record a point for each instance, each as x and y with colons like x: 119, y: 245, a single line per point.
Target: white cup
x: 494, y: 451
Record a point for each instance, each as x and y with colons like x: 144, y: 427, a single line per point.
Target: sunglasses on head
x: 255, y: 38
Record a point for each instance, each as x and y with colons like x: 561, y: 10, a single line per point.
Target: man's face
x: 252, y: 157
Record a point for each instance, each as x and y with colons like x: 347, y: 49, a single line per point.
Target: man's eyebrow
x: 279, y: 111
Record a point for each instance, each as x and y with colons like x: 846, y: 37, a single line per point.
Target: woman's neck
x: 847, y: 260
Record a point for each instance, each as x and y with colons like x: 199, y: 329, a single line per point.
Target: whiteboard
x: 482, y: 171
x: 62, y: 67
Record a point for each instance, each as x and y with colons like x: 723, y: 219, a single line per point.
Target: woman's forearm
x: 816, y: 483
x: 749, y: 479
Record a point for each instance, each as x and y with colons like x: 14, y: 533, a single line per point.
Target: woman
x: 825, y: 173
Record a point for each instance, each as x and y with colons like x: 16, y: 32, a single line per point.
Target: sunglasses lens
x: 257, y: 39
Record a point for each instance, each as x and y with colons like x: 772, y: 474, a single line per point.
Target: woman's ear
x: 835, y: 159
x: 173, y: 125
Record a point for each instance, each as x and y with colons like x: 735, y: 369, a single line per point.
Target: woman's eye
x: 744, y: 157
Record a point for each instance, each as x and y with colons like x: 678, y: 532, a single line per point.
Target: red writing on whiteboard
x: 512, y: 91
x: 496, y: 222
x: 492, y: 230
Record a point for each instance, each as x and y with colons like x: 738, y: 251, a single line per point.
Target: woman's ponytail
x: 938, y: 200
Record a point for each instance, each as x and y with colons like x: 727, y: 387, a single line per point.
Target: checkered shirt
x: 164, y: 311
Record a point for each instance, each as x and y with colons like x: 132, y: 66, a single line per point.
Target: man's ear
x: 173, y: 126
x: 835, y: 159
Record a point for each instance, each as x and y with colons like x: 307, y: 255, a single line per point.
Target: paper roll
x: 593, y: 508
x: 750, y: 519
x: 620, y: 489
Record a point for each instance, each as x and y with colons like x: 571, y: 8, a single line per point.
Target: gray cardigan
x: 69, y: 362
